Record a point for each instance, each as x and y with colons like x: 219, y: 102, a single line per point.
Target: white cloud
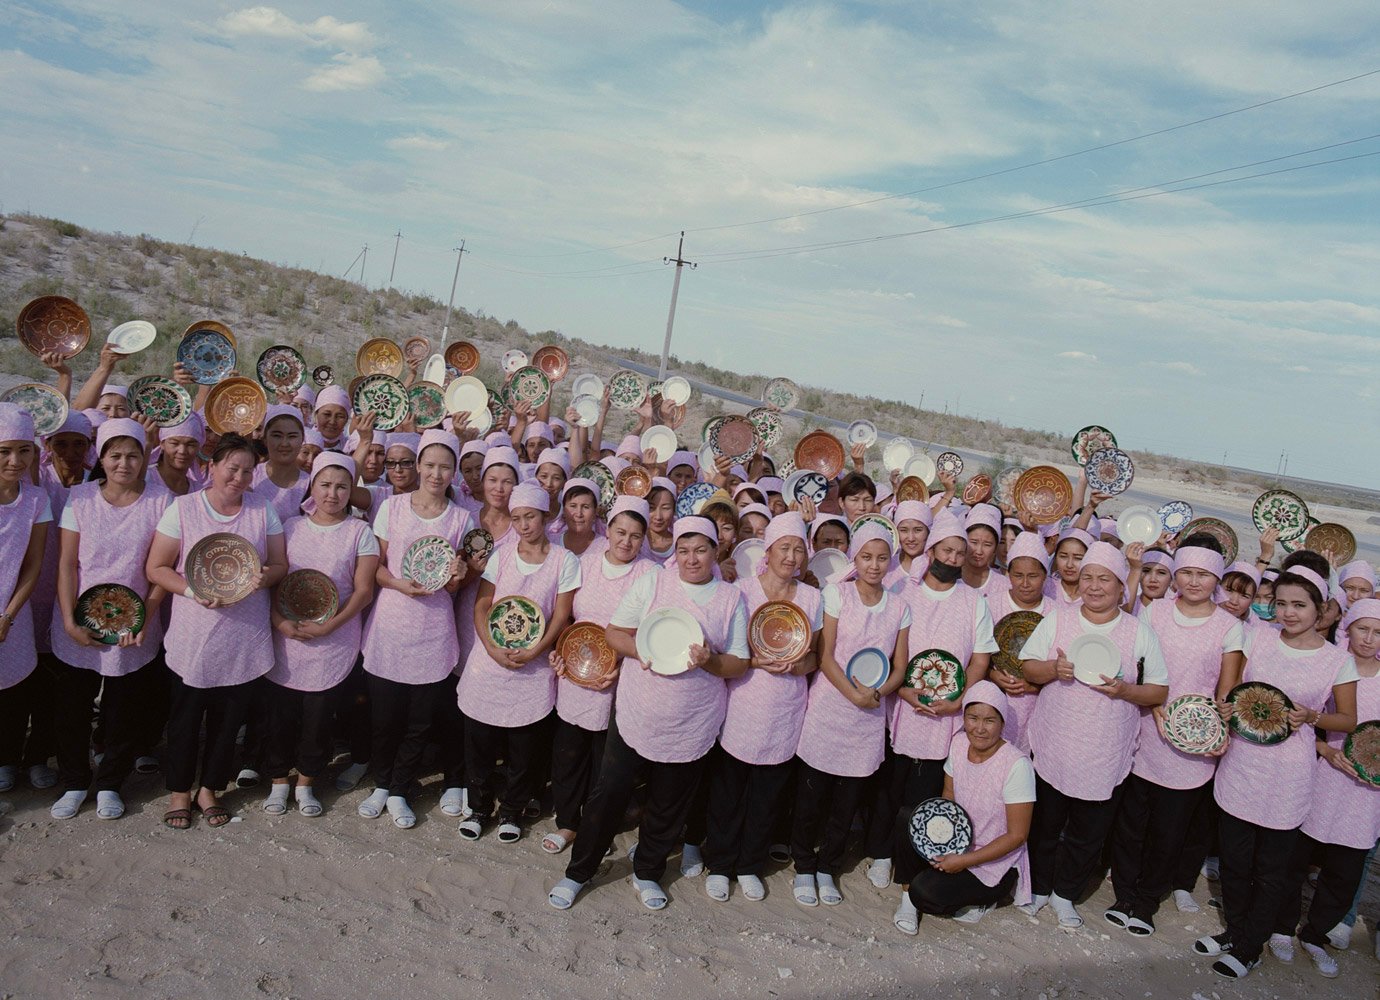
x: 1182, y: 367
x: 270, y: 22
x: 1078, y: 356
x: 350, y: 72
x: 423, y: 142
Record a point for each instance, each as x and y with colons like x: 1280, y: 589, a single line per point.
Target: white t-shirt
x: 568, y: 580
x: 1345, y: 675
x: 983, y: 640
x: 615, y: 571
x: 637, y: 604
x: 367, y: 545
x: 1020, y: 783
x: 832, y: 601
x: 1040, y: 645
x: 170, y: 523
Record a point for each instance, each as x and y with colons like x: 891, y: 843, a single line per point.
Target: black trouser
x: 402, y: 717
x: 1066, y: 838
x: 222, y: 709
x: 669, y: 788
x: 1200, y: 844
x: 576, y: 754
x: 255, y: 748
x: 1152, y: 824
x: 450, y: 736
x: 942, y: 894
x: 1255, y: 878
x: 743, y: 800
x: 26, y: 719
x: 697, y: 816
x: 1339, y: 876
x: 906, y: 782
x: 520, y: 748
x: 825, y: 805
x: 354, y: 714
x: 298, y: 730
x: 125, y: 703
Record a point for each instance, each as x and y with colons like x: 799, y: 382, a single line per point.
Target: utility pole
x: 364, y: 259
x: 680, y: 262
x: 445, y: 326
x: 397, y: 240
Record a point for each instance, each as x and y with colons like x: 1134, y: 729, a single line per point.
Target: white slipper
x: 68, y: 805
x: 829, y: 893
x: 971, y: 914
x: 1069, y: 918
x: 1036, y: 904
x: 1212, y: 945
x: 1282, y: 948
x: 307, y: 802
x: 372, y: 807
x: 1322, y: 961
x: 879, y: 872
x: 509, y: 833
x: 1139, y: 927
x: 651, y: 893
x: 805, y: 891
x: 471, y: 829
x: 716, y: 888
x: 109, y: 805
x: 562, y: 896
x: 752, y: 887
x: 276, y: 802
x: 403, y: 816
x: 247, y: 778
x: 691, y: 861
x: 1231, y: 967
x: 1116, y: 915
x: 453, y: 802
x: 907, y: 917
x: 554, y: 842
x: 41, y: 776
x: 1340, y: 936
x: 1184, y: 901
x: 348, y: 779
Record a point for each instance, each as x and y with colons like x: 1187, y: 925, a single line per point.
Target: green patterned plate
x: 936, y: 675
x: 1362, y: 748
x: 160, y: 399
x: 516, y: 623
x: 385, y: 396
x: 45, y: 404
x: 1284, y: 511
x: 110, y: 610
x: 428, y: 404
x: 529, y: 385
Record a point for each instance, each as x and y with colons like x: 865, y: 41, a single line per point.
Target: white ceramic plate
x: 1138, y: 524
x: 434, y: 371
x: 588, y: 409
x: 748, y: 555
x: 467, y: 395
x: 482, y: 421
x: 587, y: 384
x: 707, y: 460
x: 660, y: 439
x: 869, y: 667
x: 1093, y: 656
x: 132, y: 337
x: 826, y: 563
x: 863, y: 432
x: 513, y: 360
x: 676, y: 390
x: 664, y: 639
x: 896, y: 454
x: 922, y: 467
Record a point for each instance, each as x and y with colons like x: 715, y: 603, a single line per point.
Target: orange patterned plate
x: 552, y: 361
x: 589, y: 658
x: 978, y: 490
x: 634, y: 481
x: 462, y: 356
x: 820, y: 451
x: 213, y: 325
x: 1043, y: 494
x: 236, y: 406
x: 379, y: 357
x: 1336, y: 538
x: 779, y: 631
x: 912, y: 488
x: 222, y: 565
x: 54, y: 323
x: 416, y: 349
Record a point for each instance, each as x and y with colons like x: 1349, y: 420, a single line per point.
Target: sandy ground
x: 344, y: 907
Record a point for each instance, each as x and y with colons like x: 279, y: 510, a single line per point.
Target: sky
x: 569, y: 142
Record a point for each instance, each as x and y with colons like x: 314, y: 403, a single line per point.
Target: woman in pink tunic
x: 983, y: 527
x: 1027, y: 567
x: 995, y: 785
x: 107, y: 528
x: 608, y: 568
x: 1265, y: 791
x: 913, y: 520
x: 1062, y: 585
x: 312, y: 659
x: 507, y: 693
x: 1083, y: 735
x: 1343, y: 823
x: 215, y: 651
x: 578, y: 525
x: 667, y: 718
x: 25, y: 516
x: 750, y: 774
x: 279, y: 480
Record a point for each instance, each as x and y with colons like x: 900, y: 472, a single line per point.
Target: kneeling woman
x: 665, y: 724
x: 995, y: 785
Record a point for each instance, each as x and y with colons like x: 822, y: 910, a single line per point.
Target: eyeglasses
x: 401, y: 463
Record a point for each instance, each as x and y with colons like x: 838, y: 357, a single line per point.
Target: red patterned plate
x: 820, y: 451
x: 1043, y: 494
x: 779, y: 631
x: 552, y: 361
x: 978, y: 490
x: 589, y: 658
x: 54, y: 323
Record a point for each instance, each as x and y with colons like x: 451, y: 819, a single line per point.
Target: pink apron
x: 1343, y: 810
x: 945, y: 624
x: 1017, y: 728
x: 978, y: 788
x: 18, y: 654
x: 286, y: 503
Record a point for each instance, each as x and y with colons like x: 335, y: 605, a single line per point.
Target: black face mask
x: 945, y: 573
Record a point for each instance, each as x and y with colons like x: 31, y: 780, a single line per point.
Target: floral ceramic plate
x: 1004, y: 486
x: 735, y: 439
x: 863, y: 432
x: 427, y: 403
x: 589, y: 659
x: 634, y: 481
x: 768, y: 423
x: 1110, y: 471
x: 323, y: 375
x: 462, y: 356
x: 781, y: 393
x: 416, y: 350
x: 1362, y: 748
x: 379, y: 357
x: 1220, y: 530
x: 516, y: 622
x: 307, y: 595
x: 529, y: 385
x: 1261, y: 713
x: 1011, y: 634
x: 109, y: 611
x: 427, y: 562
x: 936, y: 675
x: 949, y: 463
x: 45, y: 404
x: 627, y: 389
x: 478, y: 543
x: 1334, y: 538
x: 1193, y: 725
x: 385, y: 397
x: 160, y: 399
x: 939, y: 827
x: 978, y: 490
x: 513, y: 360
x: 806, y: 485
x: 779, y: 631
x: 1043, y: 495
x: 236, y: 406
x: 708, y: 428
x: 52, y: 323
x: 1090, y: 440
x: 1284, y: 511
x: 553, y: 362
x: 207, y: 354
x: 691, y: 496
x: 869, y: 667
x: 820, y: 451
x: 1174, y: 515
x: 281, y: 369
x: 912, y: 488
x: 603, y: 475
x: 223, y: 566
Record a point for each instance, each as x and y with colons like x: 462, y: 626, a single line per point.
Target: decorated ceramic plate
x: 869, y: 667
x: 281, y: 369
x: 587, y: 384
x: 781, y: 393
x: 1220, y: 530
x: 1011, y: 634
x: 912, y: 488
x: 1193, y: 725
x: 530, y: 385
x: 922, y: 467
x: 1334, y: 538
x: 1090, y: 440
x: 516, y: 622
x: 978, y: 489
x: 936, y: 675
x: 160, y: 399
x: 735, y: 439
x: 882, y: 522
x: 109, y: 611
x: 768, y: 424
x: 1004, y: 486
x: 462, y: 356
x: 1284, y: 511
x: 1093, y: 657
x: 828, y: 562
x: 323, y: 375
x: 1294, y: 544
x: 676, y: 389
x: 1362, y: 748
x: 477, y: 543
x: 691, y: 496
x: 45, y: 404
x: 603, y: 475
x: 586, y: 410
x: 427, y: 562
x: 1043, y: 494
x: 820, y: 451
x: 589, y: 659
x: 513, y: 360
x: 708, y: 428
x: 553, y: 362
x: 1139, y: 524
x: 379, y: 356
x: 386, y: 397
x: 224, y: 566
x: 307, y: 595
x: 427, y: 403
x: 785, y: 468
x: 1110, y: 471
x: 627, y: 389
x: 664, y: 639
x: 949, y: 463
x: 634, y: 481
x: 779, y: 631
x: 416, y: 350
x: 52, y: 323
x: 863, y: 432
x: 207, y: 354
x: 748, y: 555
x: 1261, y: 713
x: 811, y: 485
x: 939, y: 827
x: 132, y: 337
x: 236, y: 406
x: 1175, y: 515
x: 897, y: 453
x: 659, y: 439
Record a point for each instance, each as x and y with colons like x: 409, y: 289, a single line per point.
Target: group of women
x: 739, y: 759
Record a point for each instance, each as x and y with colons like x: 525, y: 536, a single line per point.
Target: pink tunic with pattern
x: 492, y: 693
x: 994, y: 586
x: 978, y: 788
x: 1082, y: 740
x: 766, y: 711
x: 18, y: 654
x: 838, y: 737
x: 1344, y: 810
x: 468, y: 594
x: 1054, y: 590
x: 286, y: 502
x: 595, y: 601
x: 947, y: 624
x: 113, y: 548
x: 1017, y: 728
x: 674, y: 719
x: 412, y: 640
x: 220, y: 647
x: 1193, y: 655
x: 44, y: 598
x: 1272, y: 786
x: 321, y: 664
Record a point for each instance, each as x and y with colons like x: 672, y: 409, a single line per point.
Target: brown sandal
x: 216, y: 816
x: 178, y: 819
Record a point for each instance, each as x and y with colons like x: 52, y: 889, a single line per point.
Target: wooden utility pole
x: 445, y: 327
x: 680, y: 262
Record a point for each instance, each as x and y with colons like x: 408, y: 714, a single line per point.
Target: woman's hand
x: 1063, y: 666
x: 775, y: 666
x: 950, y: 864
x: 128, y: 638
x: 1009, y: 683
x: 1339, y: 761
x: 55, y: 361
x: 78, y: 634
x: 864, y: 697
x: 1113, y: 687
x: 911, y: 697
x: 1299, y: 717
x: 292, y: 630
x: 1134, y: 553
x: 458, y: 568
x: 939, y: 709
x: 181, y: 376
x: 699, y: 656
x: 1268, y: 537
x: 412, y: 588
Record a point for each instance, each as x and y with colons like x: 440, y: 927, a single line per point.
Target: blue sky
x: 1242, y: 318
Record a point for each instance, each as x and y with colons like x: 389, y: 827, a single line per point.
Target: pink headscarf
x: 1357, y: 569
x: 530, y: 495
x: 120, y: 427
x: 946, y: 525
x: 1077, y: 534
x: 665, y: 484
x: 1196, y: 557
x: 694, y: 525
x: 111, y: 389
x: 556, y: 457
x: 1312, y: 578
x: 312, y: 436
x: 538, y: 430
x: 16, y: 423
x: 788, y: 525
x: 76, y: 423
x: 986, y: 516
x: 984, y: 692
x: 437, y: 436
x: 412, y: 442
x: 1108, y: 556
x: 327, y: 459
x: 1246, y: 569
x: 680, y: 458
x: 305, y: 394
x: 626, y: 504
x: 283, y: 410
x: 755, y: 508
x: 913, y: 510
x: 195, y: 428
x: 742, y: 487
x: 1366, y: 607
x: 577, y: 483
x: 1028, y: 545
x: 630, y: 445
x: 869, y: 532
x: 1158, y: 559
x: 502, y: 455
x: 333, y: 395
x: 771, y: 484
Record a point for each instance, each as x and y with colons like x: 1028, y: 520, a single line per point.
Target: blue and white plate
x: 1174, y: 515
x: 939, y: 827
x: 691, y: 497
x: 207, y: 355
x: 1110, y: 471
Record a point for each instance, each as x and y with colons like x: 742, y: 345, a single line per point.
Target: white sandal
x: 1231, y: 967
x: 805, y: 890
x: 829, y: 893
x: 562, y: 896
x: 716, y: 888
x: 554, y: 842
x: 68, y: 805
x: 753, y: 887
x: 372, y: 807
x: 906, y: 918
x: 403, y: 816
x: 307, y: 802
x: 509, y: 833
x: 453, y: 802
x: 651, y: 893
x: 109, y: 805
